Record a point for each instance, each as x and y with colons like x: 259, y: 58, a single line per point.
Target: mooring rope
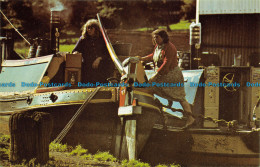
x: 75, y: 117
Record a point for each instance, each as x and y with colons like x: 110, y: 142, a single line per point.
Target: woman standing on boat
x: 165, y: 61
x: 96, y: 62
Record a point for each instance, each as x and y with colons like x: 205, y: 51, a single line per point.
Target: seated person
x: 96, y: 65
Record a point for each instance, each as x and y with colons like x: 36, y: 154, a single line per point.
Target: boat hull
x: 99, y: 127
x: 202, y: 147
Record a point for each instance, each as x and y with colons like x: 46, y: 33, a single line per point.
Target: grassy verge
x: 4, y: 146
x: 182, y: 25
x: 23, y: 49
x: 64, y: 155
x: 67, y: 47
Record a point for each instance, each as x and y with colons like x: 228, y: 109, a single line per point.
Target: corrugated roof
x: 229, y: 6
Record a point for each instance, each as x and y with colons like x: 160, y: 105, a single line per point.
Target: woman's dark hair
x: 91, y: 23
x: 162, y: 33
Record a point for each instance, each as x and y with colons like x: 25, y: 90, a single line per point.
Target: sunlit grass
x: 131, y: 163
x: 104, y: 156
x: 171, y: 165
x: 182, y: 25
x: 67, y: 48
x: 4, y: 149
x: 78, y: 151
x: 4, y: 138
x: 99, y: 156
x: 58, y: 147
x: 23, y: 50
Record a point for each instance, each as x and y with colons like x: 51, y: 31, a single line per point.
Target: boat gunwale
x: 209, y: 131
x: 26, y: 62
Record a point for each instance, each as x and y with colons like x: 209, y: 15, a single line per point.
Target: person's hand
x: 96, y: 62
x: 76, y: 52
x: 140, y: 58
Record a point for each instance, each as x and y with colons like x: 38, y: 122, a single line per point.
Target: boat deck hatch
x: 22, y: 76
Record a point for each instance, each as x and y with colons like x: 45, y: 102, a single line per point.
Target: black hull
x: 188, y: 148
x: 98, y: 128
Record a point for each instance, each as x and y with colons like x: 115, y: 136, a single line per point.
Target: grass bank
x: 62, y: 155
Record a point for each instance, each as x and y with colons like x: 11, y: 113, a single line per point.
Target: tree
x: 136, y: 14
x: 189, y: 9
x: 33, y: 17
x: 22, y: 16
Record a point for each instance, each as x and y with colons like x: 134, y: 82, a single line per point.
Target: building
x: 231, y: 28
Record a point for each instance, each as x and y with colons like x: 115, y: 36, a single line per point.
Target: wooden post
x: 126, y: 144
x: 130, y: 132
x: 30, y: 136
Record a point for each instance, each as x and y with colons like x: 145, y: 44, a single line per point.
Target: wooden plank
x: 130, y: 131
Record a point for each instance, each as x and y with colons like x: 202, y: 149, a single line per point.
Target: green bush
x: 4, y: 138
x: 172, y: 165
x: 104, y: 156
x: 160, y: 165
x: 79, y: 151
x: 87, y: 156
x: 58, y: 147
x: 4, y: 146
x: 134, y: 163
x: 4, y: 153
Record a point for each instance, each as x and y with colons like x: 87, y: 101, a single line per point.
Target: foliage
x: 175, y: 165
x: 33, y: 17
x: 189, y: 9
x: 4, y: 153
x: 4, y: 146
x: 21, y: 48
x: 104, y: 156
x: 21, y: 15
x: 172, y: 165
x: 135, y: 163
x: 58, y: 147
x: 4, y: 138
x: 99, y: 156
x: 68, y: 41
x: 133, y: 14
x: 160, y: 165
x: 32, y: 162
x: 78, y: 151
x: 87, y: 156
x: 182, y: 25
